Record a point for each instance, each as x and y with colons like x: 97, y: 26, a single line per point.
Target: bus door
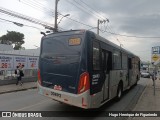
x: 106, y: 65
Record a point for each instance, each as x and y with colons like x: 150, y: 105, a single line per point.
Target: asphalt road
x: 29, y: 100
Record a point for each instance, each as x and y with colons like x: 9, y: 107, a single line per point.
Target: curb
x: 23, y: 89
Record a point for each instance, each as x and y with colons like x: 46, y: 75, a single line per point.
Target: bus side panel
x: 131, y: 77
x: 135, y: 70
x: 114, y: 80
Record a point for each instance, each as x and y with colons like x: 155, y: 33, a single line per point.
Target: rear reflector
x: 65, y: 99
x: 83, y: 102
x: 39, y: 77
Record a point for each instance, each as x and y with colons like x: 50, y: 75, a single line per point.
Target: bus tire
x: 119, y: 91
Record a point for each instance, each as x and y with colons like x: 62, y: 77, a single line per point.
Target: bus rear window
x: 59, y: 47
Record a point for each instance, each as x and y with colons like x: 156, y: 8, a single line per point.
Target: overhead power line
x: 24, y: 17
x: 20, y: 24
x: 93, y: 10
x: 132, y: 35
x: 50, y: 26
x: 79, y: 7
x: 51, y: 10
x: 31, y: 5
x: 80, y: 22
x: 77, y: 21
x: 38, y: 6
x: 82, y: 8
x: 88, y: 10
x: 110, y: 31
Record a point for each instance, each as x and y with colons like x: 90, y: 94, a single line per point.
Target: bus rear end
x: 62, y: 73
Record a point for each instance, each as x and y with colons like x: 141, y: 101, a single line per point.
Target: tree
x: 13, y: 38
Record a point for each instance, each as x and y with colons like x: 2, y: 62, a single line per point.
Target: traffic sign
x: 155, y: 57
x: 156, y: 50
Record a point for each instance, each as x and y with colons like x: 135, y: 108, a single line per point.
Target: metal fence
x: 10, y: 74
x: 13, y: 60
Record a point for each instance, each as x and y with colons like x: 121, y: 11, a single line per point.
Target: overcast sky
x: 139, y: 18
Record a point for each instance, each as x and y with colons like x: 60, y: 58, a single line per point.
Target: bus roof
x: 82, y: 31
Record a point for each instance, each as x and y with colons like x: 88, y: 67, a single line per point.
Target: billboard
x: 6, y: 62
x: 9, y: 62
x: 32, y: 62
x: 20, y: 60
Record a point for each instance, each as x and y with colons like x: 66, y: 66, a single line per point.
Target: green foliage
x: 13, y: 37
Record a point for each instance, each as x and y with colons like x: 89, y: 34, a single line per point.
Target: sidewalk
x: 14, y: 87
x: 149, y: 102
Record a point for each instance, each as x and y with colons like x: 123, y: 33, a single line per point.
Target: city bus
x: 83, y: 69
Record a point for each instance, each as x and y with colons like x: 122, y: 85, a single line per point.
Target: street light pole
x: 62, y: 18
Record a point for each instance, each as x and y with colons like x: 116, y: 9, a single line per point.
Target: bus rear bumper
x: 80, y: 100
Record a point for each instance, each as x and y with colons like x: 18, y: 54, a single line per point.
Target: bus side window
x: 105, y: 55
x: 129, y: 63
x: 116, y: 60
x: 124, y: 61
x: 106, y: 61
x: 96, y: 55
x: 103, y: 60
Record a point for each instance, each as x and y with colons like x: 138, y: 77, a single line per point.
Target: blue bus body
x: 69, y: 72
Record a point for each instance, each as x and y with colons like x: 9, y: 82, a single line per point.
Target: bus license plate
x: 56, y: 94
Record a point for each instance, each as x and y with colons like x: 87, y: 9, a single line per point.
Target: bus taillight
x: 39, y: 77
x: 84, y: 83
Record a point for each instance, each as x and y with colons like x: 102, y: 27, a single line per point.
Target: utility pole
x: 56, y: 17
x: 98, y: 26
x: 100, y: 22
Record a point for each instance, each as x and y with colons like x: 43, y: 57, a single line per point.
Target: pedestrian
x: 21, y: 73
x: 154, y: 76
x: 22, y: 70
x: 17, y: 72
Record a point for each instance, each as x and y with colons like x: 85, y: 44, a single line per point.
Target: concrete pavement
x: 14, y: 87
x: 148, y: 101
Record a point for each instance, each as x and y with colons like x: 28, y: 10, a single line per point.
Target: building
x: 4, y: 47
x: 27, y: 52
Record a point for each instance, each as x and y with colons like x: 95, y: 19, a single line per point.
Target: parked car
x: 145, y: 74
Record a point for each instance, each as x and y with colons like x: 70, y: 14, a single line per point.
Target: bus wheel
x: 119, y: 92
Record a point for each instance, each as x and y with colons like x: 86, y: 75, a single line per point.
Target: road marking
x: 32, y: 105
